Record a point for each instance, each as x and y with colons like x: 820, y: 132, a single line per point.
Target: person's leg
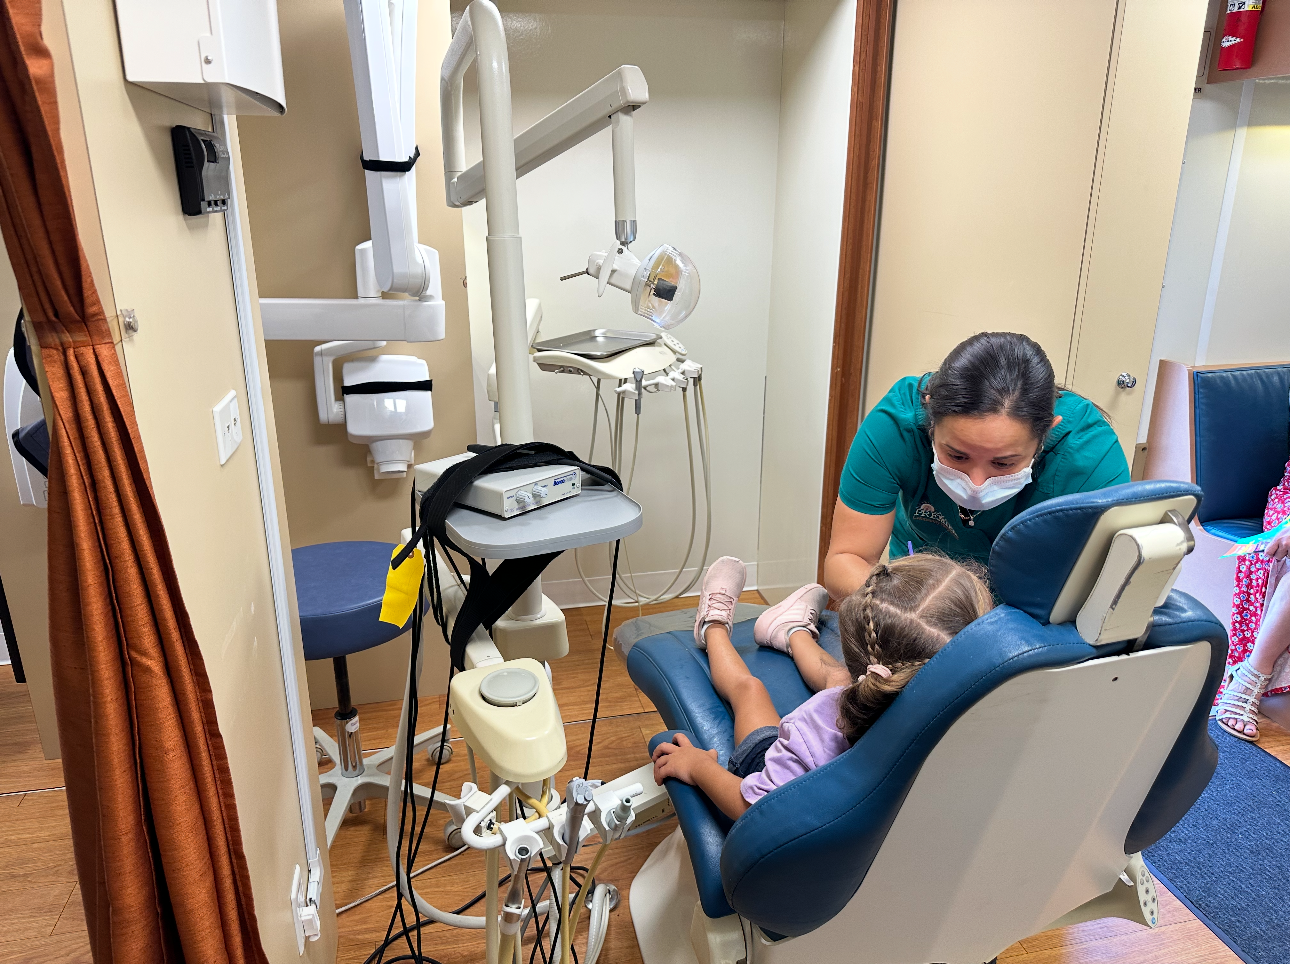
x: 790, y: 627
x: 745, y: 693
x: 713, y: 620
x: 819, y: 670
x: 1274, y: 630
x: 1273, y: 640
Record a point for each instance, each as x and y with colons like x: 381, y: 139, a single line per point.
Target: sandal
x: 1242, y: 705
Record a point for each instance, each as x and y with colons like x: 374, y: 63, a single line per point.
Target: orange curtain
x: 154, y: 824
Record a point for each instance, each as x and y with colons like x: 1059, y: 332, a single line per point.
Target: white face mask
x: 976, y: 498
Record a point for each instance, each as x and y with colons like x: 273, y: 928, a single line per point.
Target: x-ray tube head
x: 666, y: 287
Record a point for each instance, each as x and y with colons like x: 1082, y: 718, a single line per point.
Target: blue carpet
x: 1226, y: 860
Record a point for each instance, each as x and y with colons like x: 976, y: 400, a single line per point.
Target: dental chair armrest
x: 1190, y: 764
x: 705, y: 828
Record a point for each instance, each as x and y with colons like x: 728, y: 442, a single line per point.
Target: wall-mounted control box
x: 204, y: 168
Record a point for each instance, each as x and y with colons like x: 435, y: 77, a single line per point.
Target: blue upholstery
x: 1242, y: 440
x: 1055, y: 532
x: 798, y: 855
x: 1234, y: 529
x: 339, y: 587
x: 674, y: 673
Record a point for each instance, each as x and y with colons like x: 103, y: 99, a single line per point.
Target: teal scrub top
x: 890, y: 467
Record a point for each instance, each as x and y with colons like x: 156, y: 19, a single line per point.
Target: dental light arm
x: 609, y: 102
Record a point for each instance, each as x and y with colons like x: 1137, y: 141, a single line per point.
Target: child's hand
x: 681, y: 760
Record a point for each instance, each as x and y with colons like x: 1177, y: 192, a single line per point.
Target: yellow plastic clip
x: 402, y: 587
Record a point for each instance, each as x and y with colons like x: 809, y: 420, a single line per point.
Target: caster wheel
x: 320, y: 755
x: 437, y: 754
x: 452, y: 836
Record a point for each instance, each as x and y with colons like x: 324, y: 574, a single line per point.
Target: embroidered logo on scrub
x: 927, y: 513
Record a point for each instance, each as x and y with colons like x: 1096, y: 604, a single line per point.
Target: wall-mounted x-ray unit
x: 221, y: 56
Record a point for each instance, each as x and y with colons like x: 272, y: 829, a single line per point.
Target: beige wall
x: 706, y: 150
x: 815, y: 103
x: 175, y: 272
x: 308, y: 209
x: 1040, y: 203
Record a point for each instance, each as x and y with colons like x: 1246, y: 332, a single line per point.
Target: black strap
x: 489, y: 595
x: 390, y: 167
x: 383, y: 388
x: 10, y: 638
x: 22, y: 355
x: 32, y: 443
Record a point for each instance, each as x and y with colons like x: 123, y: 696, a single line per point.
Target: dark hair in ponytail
x: 899, y: 619
x: 994, y: 373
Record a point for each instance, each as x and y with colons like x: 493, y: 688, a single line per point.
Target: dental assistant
x: 945, y: 460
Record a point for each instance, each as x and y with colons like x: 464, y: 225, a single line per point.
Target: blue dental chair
x: 1241, y: 435
x: 1008, y: 789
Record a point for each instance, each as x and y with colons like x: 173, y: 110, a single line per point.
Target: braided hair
x: 898, y: 620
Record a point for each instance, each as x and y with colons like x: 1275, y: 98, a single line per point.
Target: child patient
x: 891, y: 626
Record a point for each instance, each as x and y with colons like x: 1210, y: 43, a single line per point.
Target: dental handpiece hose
x: 513, y: 908
x: 577, y: 797
x: 618, y: 819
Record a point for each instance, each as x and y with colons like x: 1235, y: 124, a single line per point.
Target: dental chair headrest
x: 1046, y: 561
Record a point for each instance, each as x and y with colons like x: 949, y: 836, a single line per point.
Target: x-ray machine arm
x: 382, y: 42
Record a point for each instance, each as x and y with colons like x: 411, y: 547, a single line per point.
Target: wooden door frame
x: 862, y: 197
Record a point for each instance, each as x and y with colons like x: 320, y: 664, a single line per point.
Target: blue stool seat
x: 339, y: 588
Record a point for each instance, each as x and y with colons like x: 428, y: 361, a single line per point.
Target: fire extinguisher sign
x: 1237, y: 46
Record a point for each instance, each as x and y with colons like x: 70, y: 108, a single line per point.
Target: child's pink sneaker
x: 801, y: 610
x: 722, y: 585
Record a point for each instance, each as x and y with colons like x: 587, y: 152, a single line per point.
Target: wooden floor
x: 42, y: 918
x: 44, y: 921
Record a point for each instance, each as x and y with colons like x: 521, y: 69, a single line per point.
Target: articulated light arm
x: 609, y: 102
x: 480, y: 39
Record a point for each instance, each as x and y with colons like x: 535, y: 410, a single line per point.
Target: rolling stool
x: 339, y: 588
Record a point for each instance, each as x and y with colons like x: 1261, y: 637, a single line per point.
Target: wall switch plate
x: 228, y: 426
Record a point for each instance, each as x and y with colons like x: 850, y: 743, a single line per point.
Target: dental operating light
x: 664, y: 288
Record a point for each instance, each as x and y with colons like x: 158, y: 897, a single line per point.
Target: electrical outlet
x: 228, y: 426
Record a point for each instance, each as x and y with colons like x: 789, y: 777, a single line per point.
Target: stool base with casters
x: 339, y: 588
x: 356, y: 779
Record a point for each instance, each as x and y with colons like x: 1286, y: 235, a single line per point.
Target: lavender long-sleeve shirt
x: 808, y: 738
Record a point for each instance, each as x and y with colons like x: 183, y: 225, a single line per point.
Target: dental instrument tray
x: 598, y: 342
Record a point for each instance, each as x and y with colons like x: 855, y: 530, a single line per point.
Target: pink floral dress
x: 1256, y: 577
